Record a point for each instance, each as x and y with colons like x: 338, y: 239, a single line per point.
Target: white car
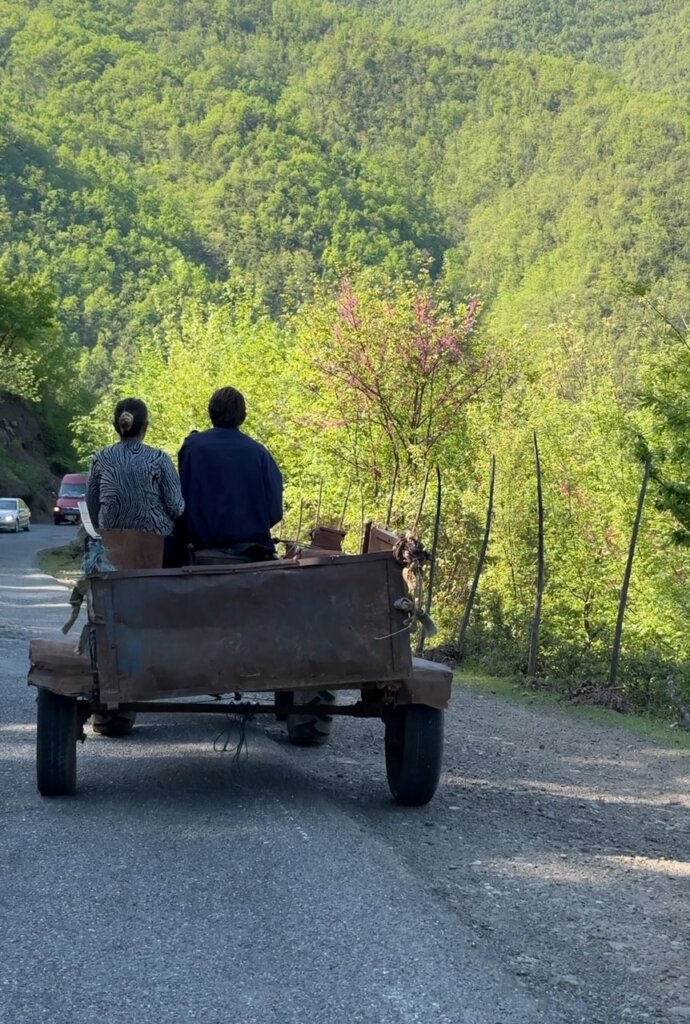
x: 15, y: 515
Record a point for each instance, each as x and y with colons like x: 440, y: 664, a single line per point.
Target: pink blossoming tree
x: 394, y: 373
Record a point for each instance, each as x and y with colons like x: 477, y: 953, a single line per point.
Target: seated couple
x: 221, y: 508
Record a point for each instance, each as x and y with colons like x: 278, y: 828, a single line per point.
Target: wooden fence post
x: 615, y: 653
x: 422, y: 500
x: 434, y: 551
x: 396, y: 470
x: 536, y: 621
x: 480, y: 564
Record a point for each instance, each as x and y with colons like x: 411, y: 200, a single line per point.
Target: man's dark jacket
x: 232, y: 488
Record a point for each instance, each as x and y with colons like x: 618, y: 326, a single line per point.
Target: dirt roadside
x: 563, y: 842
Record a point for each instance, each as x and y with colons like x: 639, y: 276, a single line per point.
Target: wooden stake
x: 318, y: 504
x: 299, y: 524
x: 434, y: 551
x: 615, y: 653
x: 536, y: 621
x: 423, y: 499
x: 393, y: 485
x: 347, y: 498
x: 480, y: 564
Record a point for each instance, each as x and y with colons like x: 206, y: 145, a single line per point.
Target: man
x: 232, y: 487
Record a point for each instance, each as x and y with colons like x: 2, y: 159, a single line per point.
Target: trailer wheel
x: 114, y: 723
x: 283, y: 700
x: 310, y: 730
x: 414, y: 750
x: 56, y: 744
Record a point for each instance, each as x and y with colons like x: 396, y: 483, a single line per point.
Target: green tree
x: 665, y: 431
x: 29, y: 336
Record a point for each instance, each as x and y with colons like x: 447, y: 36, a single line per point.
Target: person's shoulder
x: 224, y: 437
x: 250, y: 442
x: 195, y: 438
x: 106, y: 453
x: 261, y: 450
x: 155, y: 454
x: 258, y: 451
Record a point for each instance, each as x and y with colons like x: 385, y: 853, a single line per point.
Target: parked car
x: 15, y: 515
x: 72, y: 491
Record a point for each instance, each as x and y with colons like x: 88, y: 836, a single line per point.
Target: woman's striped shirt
x: 132, y: 486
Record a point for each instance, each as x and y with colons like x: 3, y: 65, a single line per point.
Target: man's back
x: 232, y: 487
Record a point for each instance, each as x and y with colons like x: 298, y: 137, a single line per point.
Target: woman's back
x: 132, y: 486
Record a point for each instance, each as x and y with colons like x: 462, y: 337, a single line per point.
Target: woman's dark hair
x: 227, y: 408
x: 131, y: 416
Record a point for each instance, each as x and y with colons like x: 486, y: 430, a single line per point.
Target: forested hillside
x: 414, y: 234
x: 602, y: 31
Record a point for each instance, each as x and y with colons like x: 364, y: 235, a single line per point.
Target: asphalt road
x: 180, y: 886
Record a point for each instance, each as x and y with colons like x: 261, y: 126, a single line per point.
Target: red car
x: 72, y: 490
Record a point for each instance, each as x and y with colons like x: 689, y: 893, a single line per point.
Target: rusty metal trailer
x: 222, y: 639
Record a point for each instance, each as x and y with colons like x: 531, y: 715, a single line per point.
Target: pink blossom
x: 423, y: 311
x: 348, y: 306
x: 471, y: 315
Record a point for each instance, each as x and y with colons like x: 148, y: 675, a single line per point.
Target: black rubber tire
x: 16, y: 526
x: 414, y: 751
x: 310, y: 730
x: 28, y: 526
x: 56, y: 744
x: 283, y: 701
x: 114, y: 723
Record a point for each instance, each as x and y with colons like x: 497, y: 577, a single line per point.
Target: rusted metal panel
x: 133, y: 549
x: 254, y: 627
x: 431, y: 684
x: 377, y: 538
x: 56, y: 666
x: 329, y: 538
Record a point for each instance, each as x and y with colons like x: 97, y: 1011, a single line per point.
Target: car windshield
x: 8, y: 504
x: 73, y: 490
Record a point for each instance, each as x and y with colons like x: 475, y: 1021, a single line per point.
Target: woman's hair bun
x: 130, y: 417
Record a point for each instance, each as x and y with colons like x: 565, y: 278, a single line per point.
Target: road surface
x: 179, y: 886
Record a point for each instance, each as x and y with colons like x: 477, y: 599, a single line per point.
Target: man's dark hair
x: 227, y: 408
x: 130, y: 418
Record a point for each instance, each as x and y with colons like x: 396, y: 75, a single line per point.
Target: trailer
x: 281, y: 637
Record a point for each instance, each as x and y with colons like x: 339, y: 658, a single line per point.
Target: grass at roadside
x: 65, y: 563
x: 652, y: 727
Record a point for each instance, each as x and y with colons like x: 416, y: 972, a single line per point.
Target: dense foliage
x: 413, y: 234
x: 603, y: 31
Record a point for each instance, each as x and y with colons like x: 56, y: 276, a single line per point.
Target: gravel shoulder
x: 563, y: 842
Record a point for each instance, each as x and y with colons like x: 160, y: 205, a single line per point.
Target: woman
x: 132, y: 486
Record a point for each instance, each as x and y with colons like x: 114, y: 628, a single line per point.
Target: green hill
x: 601, y: 31
x: 171, y: 167
x: 144, y: 150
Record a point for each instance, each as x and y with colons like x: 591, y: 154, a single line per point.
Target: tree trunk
x: 317, y: 520
x: 299, y: 524
x: 615, y: 654
x: 536, y: 621
x: 480, y: 564
x: 347, y: 498
x: 434, y: 551
x: 396, y: 470
x: 422, y: 500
